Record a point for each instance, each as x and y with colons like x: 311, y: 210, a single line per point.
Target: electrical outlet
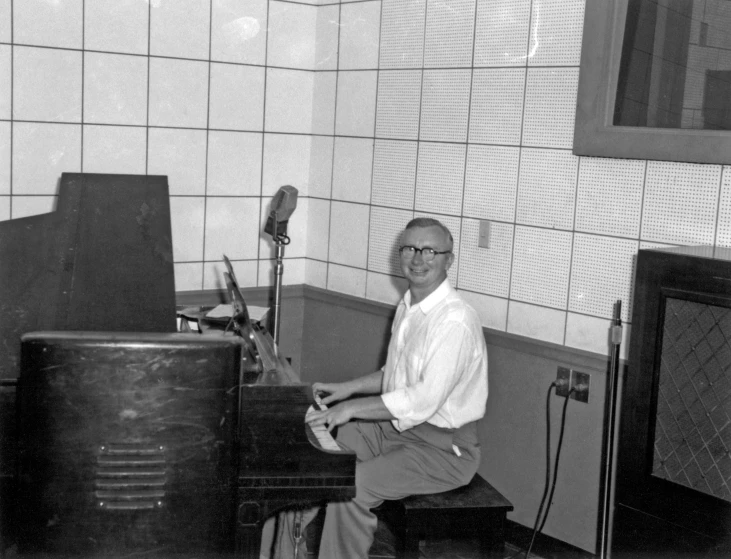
x: 580, y: 383
x: 563, y: 379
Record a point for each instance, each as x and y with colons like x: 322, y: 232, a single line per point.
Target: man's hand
x: 332, y: 392
x: 331, y: 417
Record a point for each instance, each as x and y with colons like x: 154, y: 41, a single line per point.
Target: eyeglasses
x: 427, y: 253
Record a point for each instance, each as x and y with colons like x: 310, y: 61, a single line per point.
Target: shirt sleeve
x: 440, y: 367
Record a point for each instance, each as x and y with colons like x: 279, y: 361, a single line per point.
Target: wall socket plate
x: 563, y: 380
x: 580, y: 382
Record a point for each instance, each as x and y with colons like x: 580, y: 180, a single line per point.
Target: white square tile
x: 239, y: 31
x: 588, y: 333
x: 360, y: 27
x: 541, y: 265
x: 4, y: 158
x: 318, y: 228
x: 5, y: 81
x: 326, y: 34
x: 394, y: 173
x: 232, y: 225
x: 496, y: 113
x: 609, y: 196
x: 116, y: 26
x: 115, y: 149
x: 286, y: 161
x: 25, y: 206
x: 556, y: 33
x: 187, y: 215
x: 297, y: 228
x: 188, y: 276
x: 178, y: 93
x: 536, y: 322
x: 491, y: 182
x: 323, y: 103
x: 723, y: 229
x: 41, y: 152
x: 288, y: 101
x: 245, y: 270
x: 550, y: 107
x: 440, y: 178
x: 445, y: 105
x: 291, y: 35
x: 46, y: 84
x: 294, y: 272
x: 486, y: 270
x: 356, y: 107
x: 5, y: 21
x: 449, y: 33
x: 4, y: 207
x: 53, y: 24
x: 547, y: 188
x: 181, y: 156
x: 501, y: 32
x: 350, y: 281
x: 321, y: 164
x: 493, y: 311
x: 234, y: 163
x: 402, y: 33
x: 316, y: 273
x: 384, y: 238
x: 348, y: 234
x: 237, y: 97
x: 352, y: 170
x: 115, y: 89
x: 386, y: 289
x: 180, y: 29
x: 398, y: 104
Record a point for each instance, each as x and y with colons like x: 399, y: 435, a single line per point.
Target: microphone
x: 283, y: 206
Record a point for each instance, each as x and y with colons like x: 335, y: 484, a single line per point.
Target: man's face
x: 424, y: 277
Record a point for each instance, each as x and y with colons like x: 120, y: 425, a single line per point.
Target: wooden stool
x: 477, y: 510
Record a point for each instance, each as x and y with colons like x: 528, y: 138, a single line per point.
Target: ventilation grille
x: 130, y: 477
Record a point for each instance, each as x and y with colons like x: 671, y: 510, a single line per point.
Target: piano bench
x: 476, y: 510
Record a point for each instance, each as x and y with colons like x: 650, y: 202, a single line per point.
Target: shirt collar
x: 434, y: 298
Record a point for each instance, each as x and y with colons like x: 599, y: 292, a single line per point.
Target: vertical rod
x: 278, y: 270
x: 608, y: 467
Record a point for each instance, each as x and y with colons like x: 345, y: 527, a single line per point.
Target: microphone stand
x: 279, y: 243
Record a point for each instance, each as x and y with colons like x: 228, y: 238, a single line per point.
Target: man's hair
x: 430, y: 222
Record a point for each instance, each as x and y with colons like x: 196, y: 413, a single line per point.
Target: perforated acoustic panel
x: 398, y: 104
x: 440, y: 177
x: 486, y: 270
x: 501, y: 32
x: 394, y: 173
x: 383, y: 238
x: 491, y: 182
x: 445, y: 105
x: 723, y: 233
x: 402, y: 33
x: 449, y: 32
x: 496, y: 113
x: 602, y: 271
x: 680, y: 202
x: 556, y: 33
x: 546, y: 188
x: 609, y: 196
x: 550, y: 106
x: 541, y: 261
x: 693, y: 425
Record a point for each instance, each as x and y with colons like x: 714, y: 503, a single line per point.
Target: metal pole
x: 608, y: 469
x: 278, y: 270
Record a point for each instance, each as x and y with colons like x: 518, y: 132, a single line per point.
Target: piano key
x: 322, y: 435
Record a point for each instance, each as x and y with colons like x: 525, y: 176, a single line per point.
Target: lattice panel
x: 556, y: 33
x: 609, y: 196
x: 440, y: 177
x: 402, y: 33
x: 501, y: 32
x: 723, y: 233
x: 547, y: 188
x: 550, y: 107
x: 394, y: 173
x: 541, y: 263
x: 445, y: 105
x: 693, y: 422
x: 602, y: 271
x: 680, y: 202
x: 496, y: 113
x: 486, y: 270
x: 449, y: 32
x: 383, y: 239
x: 491, y: 182
x: 398, y: 104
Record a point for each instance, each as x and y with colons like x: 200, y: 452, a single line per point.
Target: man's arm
x: 336, y: 391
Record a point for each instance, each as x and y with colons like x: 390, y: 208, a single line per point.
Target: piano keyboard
x: 324, y: 438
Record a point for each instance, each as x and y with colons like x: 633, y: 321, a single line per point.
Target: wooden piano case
x: 127, y: 444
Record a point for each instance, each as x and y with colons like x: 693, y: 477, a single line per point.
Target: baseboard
x: 544, y: 546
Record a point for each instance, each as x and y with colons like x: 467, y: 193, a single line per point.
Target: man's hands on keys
x: 334, y: 416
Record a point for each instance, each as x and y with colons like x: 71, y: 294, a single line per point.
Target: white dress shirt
x: 436, y: 369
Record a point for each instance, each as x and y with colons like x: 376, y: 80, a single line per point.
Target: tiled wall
x: 376, y: 110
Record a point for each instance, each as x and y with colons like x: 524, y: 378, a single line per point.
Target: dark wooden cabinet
x: 673, y: 495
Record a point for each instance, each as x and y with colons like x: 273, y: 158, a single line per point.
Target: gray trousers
x: 390, y: 465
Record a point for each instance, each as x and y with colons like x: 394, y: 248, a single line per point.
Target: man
x: 415, y: 430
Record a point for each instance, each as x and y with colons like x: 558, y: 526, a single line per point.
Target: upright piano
x: 79, y: 286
